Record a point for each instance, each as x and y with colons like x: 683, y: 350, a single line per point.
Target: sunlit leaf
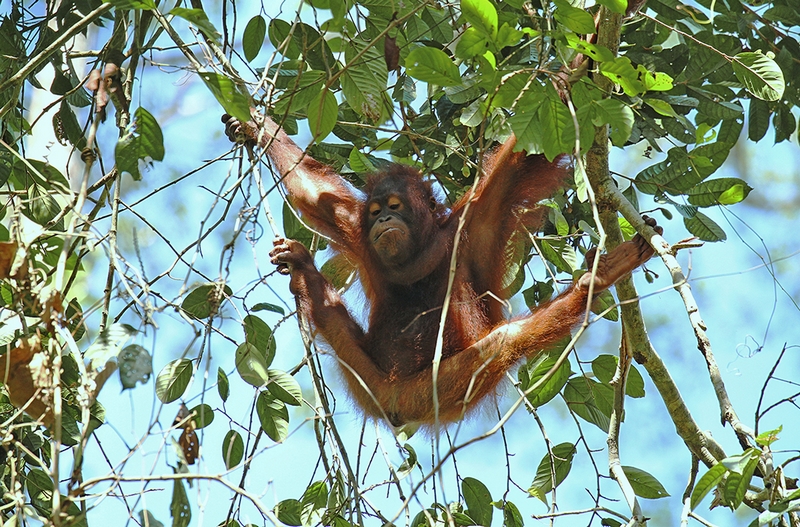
x: 552, y: 471
x: 706, y: 483
x: 273, y: 415
x: 481, y: 15
x: 760, y: 75
x: 228, y: 94
x: 433, y: 66
x: 284, y: 387
x: 322, y: 114
x: 478, y: 500
x: 644, y: 484
x: 173, y: 380
x: 722, y: 191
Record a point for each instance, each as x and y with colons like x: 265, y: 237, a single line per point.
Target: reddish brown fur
x: 389, y: 367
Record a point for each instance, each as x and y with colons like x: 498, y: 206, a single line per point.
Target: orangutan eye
x: 374, y: 209
x: 395, y: 203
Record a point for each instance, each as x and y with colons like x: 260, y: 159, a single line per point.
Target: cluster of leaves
x: 679, y: 83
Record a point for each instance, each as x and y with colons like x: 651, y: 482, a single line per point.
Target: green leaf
x: 265, y: 306
x: 232, y: 449
x: 433, y: 66
x: 596, y: 52
x: 617, y: 114
x: 621, y: 71
x: 69, y: 123
x: 203, y: 302
x: 202, y: 415
x: 658, y: 81
x: 738, y: 481
x: 198, y: 18
x: 616, y: 6
x: 279, y: 31
x: 482, y: 16
x: 769, y: 437
x: 644, y: 485
x: 661, y: 107
x: 710, y: 104
x: 322, y: 114
x: 273, y: 415
x: 108, y: 345
x: 674, y: 175
x: 142, y: 141
x: 253, y: 39
x: 364, y: 81
x: 556, y: 119
x: 760, y: 75
x: 706, y: 484
x: 605, y: 303
x: 590, y: 400
x: 784, y: 123
x: 512, y: 517
x: 179, y: 507
x: 147, y: 518
x: 510, y: 36
x: 294, y: 229
x: 533, y: 371
x: 739, y: 462
x: 284, y: 387
x: 575, y: 19
x: 359, y: 162
x: 40, y: 174
x: 478, y: 500
x: 471, y: 44
x: 228, y: 95
x: 314, y: 500
x: 223, y: 385
x: 758, y: 115
x: 135, y: 365
x: 722, y: 191
x: 559, y: 253
x: 173, y: 380
x: 526, y: 123
x: 289, y: 511
x: 705, y: 228
x: 252, y: 365
x: 259, y: 334
x: 559, y: 466
x: 338, y: 270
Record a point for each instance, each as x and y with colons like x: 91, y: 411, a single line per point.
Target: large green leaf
x: 364, y: 81
x: 482, y: 15
x: 760, y: 75
x: 644, y: 484
x: 704, y: 228
x: 432, y: 66
x: 559, y: 466
x: 232, y: 449
x: 722, y: 191
x: 228, y: 94
x: 478, y: 500
x: 273, y: 415
x: 253, y: 38
x: 322, y: 113
x: 532, y: 372
x: 173, y: 380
